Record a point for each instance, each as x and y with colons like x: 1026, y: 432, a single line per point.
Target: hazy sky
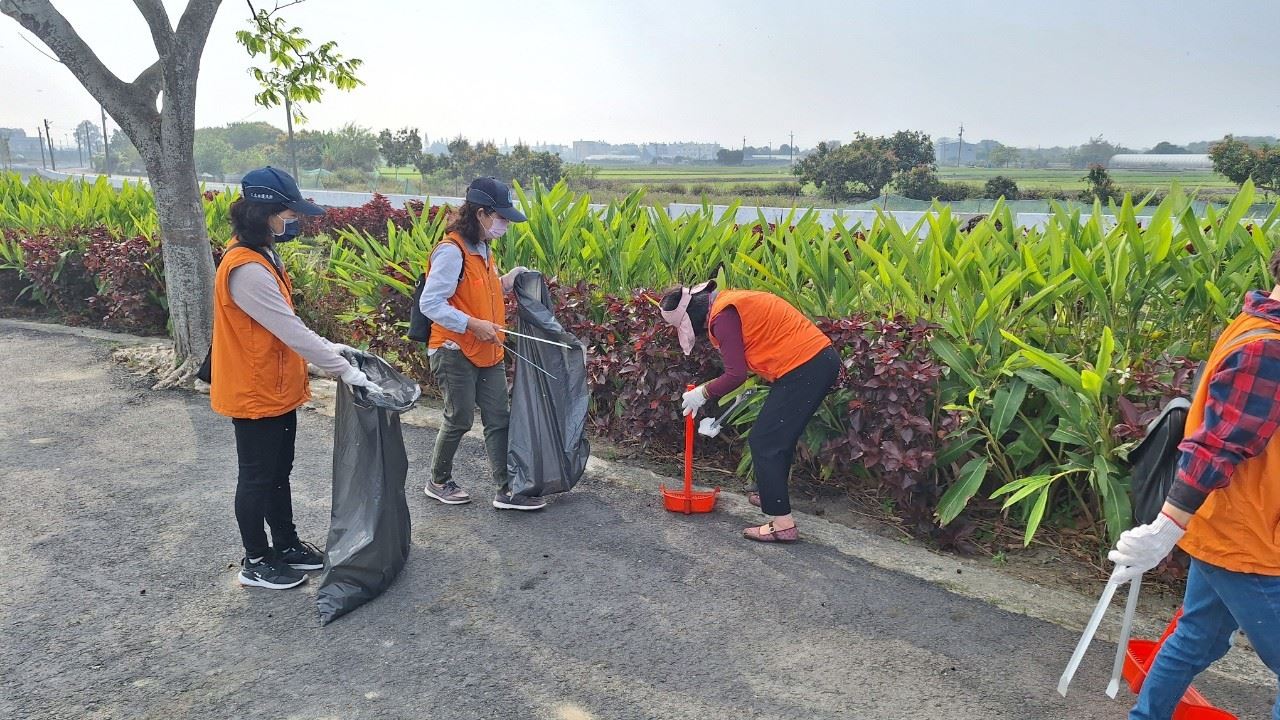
x: 1030, y: 72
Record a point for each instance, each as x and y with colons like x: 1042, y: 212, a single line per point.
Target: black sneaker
x: 504, y: 500
x: 302, y: 556
x: 270, y: 572
x: 449, y: 493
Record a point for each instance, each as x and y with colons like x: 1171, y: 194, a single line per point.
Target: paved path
x: 118, y: 600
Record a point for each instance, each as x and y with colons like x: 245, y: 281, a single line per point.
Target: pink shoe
x: 768, y: 534
x: 754, y: 499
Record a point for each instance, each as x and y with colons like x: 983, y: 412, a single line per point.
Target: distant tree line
x: 351, y: 154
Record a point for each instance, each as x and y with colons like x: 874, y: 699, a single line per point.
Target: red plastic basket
x: 1137, y: 663
x: 691, y: 501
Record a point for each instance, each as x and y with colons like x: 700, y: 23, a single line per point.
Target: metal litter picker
x: 1134, y: 658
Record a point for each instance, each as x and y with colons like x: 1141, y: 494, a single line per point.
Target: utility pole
x: 960, y: 150
x: 106, y: 143
x: 40, y: 134
x: 80, y: 146
x: 793, y: 148
x: 53, y: 164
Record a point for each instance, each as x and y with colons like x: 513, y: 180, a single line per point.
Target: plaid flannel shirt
x: 1241, y: 414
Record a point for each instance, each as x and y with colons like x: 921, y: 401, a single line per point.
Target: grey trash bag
x: 368, y: 541
x: 547, y: 446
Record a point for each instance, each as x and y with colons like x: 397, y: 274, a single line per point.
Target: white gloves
x: 509, y: 280
x: 340, y: 349
x: 1142, y: 548
x: 692, y: 401
x: 354, y: 377
x: 709, y: 427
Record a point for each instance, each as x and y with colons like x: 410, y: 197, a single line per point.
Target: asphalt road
x: 118, y: 596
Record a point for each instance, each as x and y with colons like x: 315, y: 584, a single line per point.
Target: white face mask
x: 497, y: 229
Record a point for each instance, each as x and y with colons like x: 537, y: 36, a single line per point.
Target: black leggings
x: 264, y: 448
x: 793, y: 399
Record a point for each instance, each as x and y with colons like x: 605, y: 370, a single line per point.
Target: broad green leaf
x: 955, y: 450
x: 1055, y: 366
x: 1037, y: 515
x: 1007, y: 402
x: 1091, y: 383
x: 1106, y: 348
x: 966, y: 484
x: 954, y: 360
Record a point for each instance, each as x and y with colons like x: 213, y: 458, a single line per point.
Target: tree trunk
x: 188, y: 267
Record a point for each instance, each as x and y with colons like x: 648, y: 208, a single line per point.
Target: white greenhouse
x: 1138, y: 161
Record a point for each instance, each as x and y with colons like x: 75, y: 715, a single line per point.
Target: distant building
x: 686, y: 150
x: 582, y: 149
x: 766, y: 159
x: 949, y: 151
x: 1138, y: 161
x: 21, y: 145
x: 612, y: 158
x: 600, y: 151
x: 564, y: 151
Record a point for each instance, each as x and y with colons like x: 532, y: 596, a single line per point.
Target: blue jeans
x: 1217, y: 602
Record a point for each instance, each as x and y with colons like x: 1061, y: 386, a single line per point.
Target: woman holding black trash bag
x: 463, y: 298
x: 259, y: 374
x: 763, y: 333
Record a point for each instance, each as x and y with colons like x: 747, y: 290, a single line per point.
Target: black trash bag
x: 368, y: 541
x: 547, y: 446
x: 1154, y: 461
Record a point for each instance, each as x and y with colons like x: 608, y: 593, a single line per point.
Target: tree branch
x: 149, y: 82
x: 158, y: 20
x: 183, y: 63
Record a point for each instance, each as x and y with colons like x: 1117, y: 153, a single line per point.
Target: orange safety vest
x: 479, y: 295
x: 1238, y: 527
x: 777, y: 337
x: 254, y: 375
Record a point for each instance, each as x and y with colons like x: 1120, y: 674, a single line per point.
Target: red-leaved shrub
x: 129, y: 274
x: 370, y: 218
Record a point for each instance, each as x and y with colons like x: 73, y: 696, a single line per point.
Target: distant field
x: 722, y: 176
x: 1073, y: 179
x: 694, y: 173
x: 409, y: 172
x: 724, y: 183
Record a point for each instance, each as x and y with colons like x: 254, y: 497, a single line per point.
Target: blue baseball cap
x: 269, y: 185
x: 491, y: 194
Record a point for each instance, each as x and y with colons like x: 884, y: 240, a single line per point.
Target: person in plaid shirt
x: 1223, y: 510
